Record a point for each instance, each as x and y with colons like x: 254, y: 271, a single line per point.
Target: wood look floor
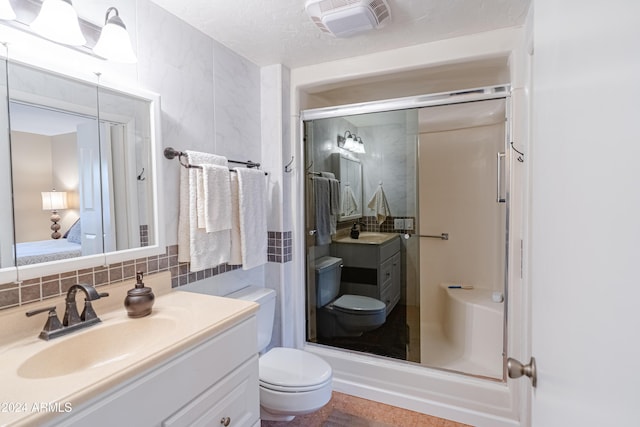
x: 349, y: 411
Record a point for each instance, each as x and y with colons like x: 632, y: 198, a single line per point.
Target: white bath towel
x: 217, y: 198
x: 378, y: 203
x: 201, y: 249
x: 349, y: 203
x: 322, y: 210
x: 252, y: 202
x: 236, y: 241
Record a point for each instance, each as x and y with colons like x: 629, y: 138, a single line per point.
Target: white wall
x: 585, y: 212
x: 29, y: 179
x: 458, y: 196
x: 210, y: 97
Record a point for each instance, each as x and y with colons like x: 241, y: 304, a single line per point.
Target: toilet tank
x: 328, y: 272
x: 265, y: 315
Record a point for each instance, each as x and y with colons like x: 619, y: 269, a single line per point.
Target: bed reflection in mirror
x: 45, y: 158
x: 81, y: 170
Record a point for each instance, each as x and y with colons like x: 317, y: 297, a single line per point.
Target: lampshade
x: 359, y: 146
x: 6, y: 11
x: 114, y: 43
x: 54, y: 200
x: 58, y: 21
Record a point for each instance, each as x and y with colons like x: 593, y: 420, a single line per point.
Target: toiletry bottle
x: 140, y: 299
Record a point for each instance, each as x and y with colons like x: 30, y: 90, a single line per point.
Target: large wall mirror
x: 81, y: 158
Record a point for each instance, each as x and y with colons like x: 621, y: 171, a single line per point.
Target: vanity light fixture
x: 58, y: 21
x: 359, y: 146
x: 6, y: 11
x: 352, y: 142
x: 114, y: 43
x: 52, y: 201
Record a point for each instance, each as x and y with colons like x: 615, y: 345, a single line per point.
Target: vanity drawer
x: 386, y: 274
x: 390, y: 297
x: 231, y: 400
x: 388, y: 249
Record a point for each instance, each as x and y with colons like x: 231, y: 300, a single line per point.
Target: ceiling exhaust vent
x: 344, y: 18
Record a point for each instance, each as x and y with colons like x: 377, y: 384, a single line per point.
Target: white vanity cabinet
x: 213, y: 383
x: 372, y: 270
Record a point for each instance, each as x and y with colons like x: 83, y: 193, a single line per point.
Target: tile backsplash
x: 371, y: 224
x: 13, y: 294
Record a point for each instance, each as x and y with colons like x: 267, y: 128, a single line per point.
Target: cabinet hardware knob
x: 225, y: 421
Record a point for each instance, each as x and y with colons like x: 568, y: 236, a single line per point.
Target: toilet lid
x: 292, y: 368
x: 358, y: 303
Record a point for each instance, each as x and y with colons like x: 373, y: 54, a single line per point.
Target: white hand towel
x: 322, y: 210
x: 349, y: 203
x: 217, y: 198
x: 201, y: 249
x: 236, y: 241
x: 203, y: 159
x: 252, y: 191
x: 378, y: 203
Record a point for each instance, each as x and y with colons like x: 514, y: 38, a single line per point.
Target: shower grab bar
x: 443, y: 236
x: 498, y: 178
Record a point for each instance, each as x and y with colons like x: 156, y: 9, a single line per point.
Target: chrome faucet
x: 71, y: 321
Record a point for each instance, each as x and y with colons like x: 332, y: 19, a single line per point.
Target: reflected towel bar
x: 171, y: 154
x: 443, y: 236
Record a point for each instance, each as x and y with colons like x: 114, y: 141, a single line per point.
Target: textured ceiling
x: 279, y: 31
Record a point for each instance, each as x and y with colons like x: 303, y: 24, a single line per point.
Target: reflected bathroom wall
x: 389, y: 164
x: 437, y: 168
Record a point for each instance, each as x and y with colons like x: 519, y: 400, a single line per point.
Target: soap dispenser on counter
x: 140, y: 299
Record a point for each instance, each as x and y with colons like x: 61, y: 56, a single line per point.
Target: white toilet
x: 348, y: 315
x: 292, y: 382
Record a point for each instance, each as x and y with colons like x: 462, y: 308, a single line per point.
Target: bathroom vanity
x: 192, y: 362
x: 371, y: 266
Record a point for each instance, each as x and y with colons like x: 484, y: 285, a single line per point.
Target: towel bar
x: 171, y: 154
x: 443, y: 236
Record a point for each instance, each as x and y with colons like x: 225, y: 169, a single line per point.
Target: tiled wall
x: 144, y: 235
x: 280, y: 247
x: 12, y: 294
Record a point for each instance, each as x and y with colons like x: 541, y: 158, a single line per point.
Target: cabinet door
x: 233, y: 402
x: 386, y: 275
x: 391, y: 274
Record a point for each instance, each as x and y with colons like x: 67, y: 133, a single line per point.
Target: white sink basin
x: 95, y: 347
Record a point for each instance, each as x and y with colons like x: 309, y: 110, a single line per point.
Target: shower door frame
x: 407, y: 103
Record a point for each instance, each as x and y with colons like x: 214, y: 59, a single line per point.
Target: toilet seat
x: 358, y: 304
x: 292, y: 370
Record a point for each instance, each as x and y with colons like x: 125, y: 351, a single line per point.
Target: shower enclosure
x: 426, y: 186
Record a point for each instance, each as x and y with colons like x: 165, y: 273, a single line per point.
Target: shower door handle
x: 499, y: 197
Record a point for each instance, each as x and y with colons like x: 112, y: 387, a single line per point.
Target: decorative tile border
x: 371, y: 224
x: 144, y: 235
x: 15, y: 294
x: 280, y: 246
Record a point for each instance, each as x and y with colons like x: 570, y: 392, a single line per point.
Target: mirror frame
x: 19, y: 273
